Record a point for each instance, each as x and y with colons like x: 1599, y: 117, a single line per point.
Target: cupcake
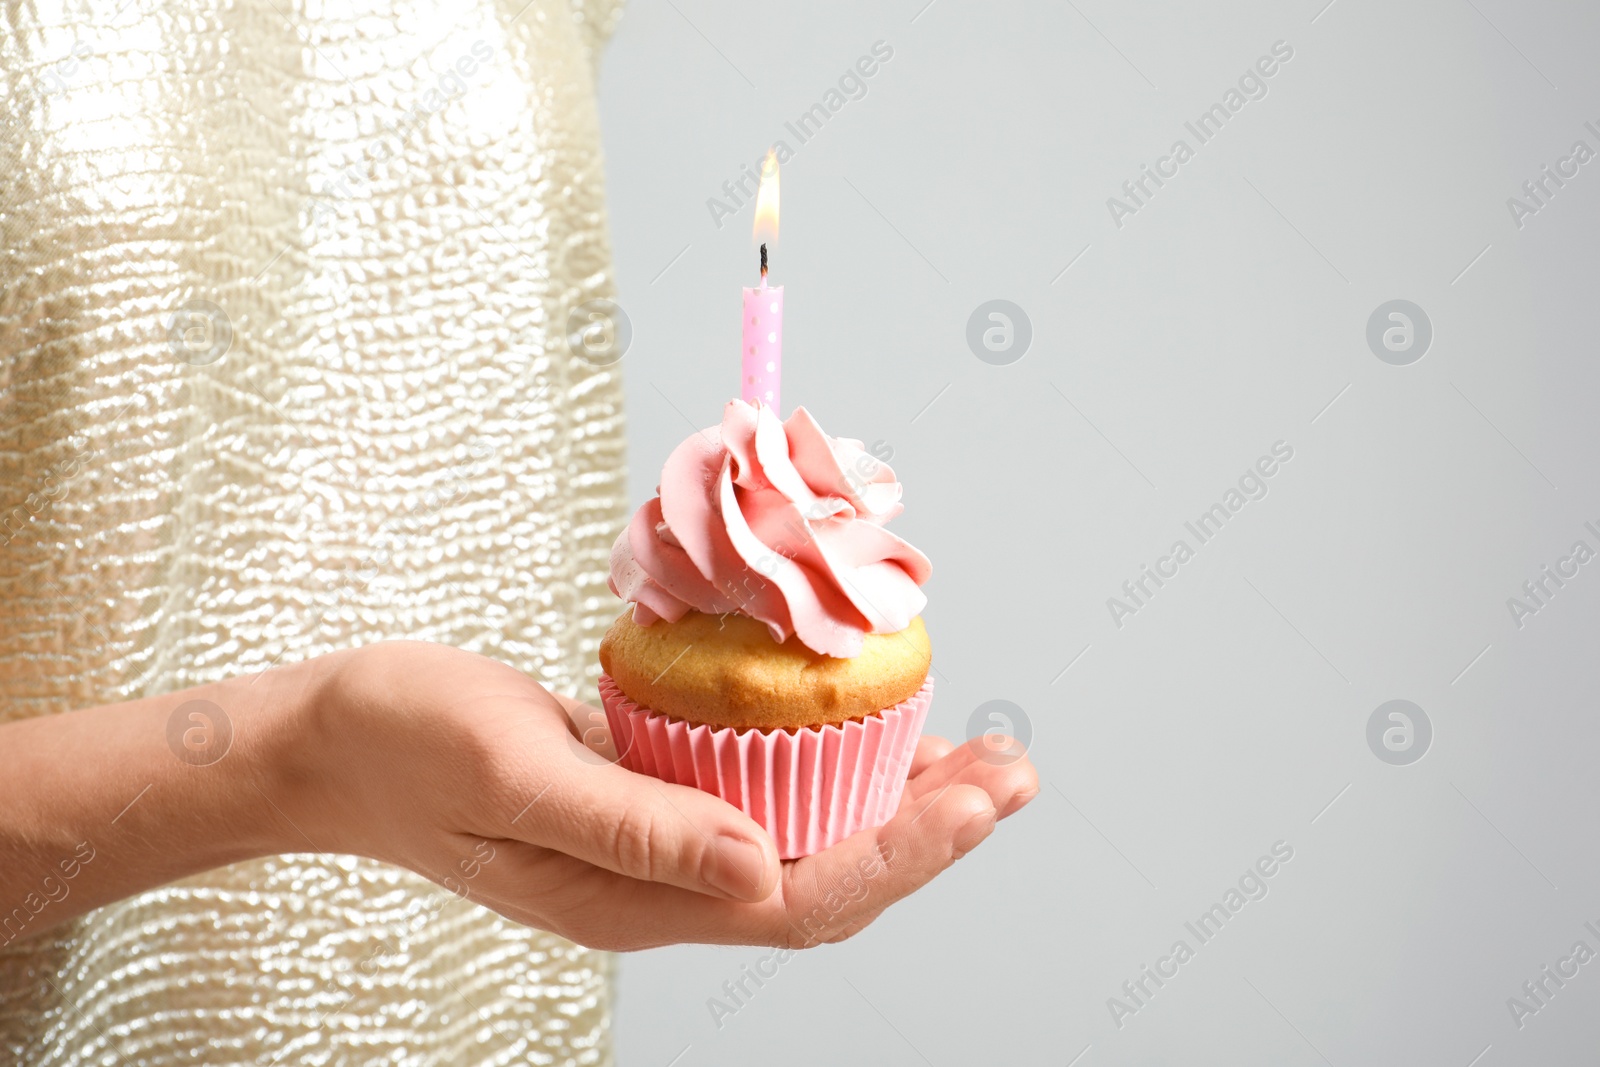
x: 772, y: 652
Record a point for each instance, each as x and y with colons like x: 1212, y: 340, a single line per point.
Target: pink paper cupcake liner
x: 809, y: 788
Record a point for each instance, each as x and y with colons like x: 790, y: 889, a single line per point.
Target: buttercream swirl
x: 778, y: 521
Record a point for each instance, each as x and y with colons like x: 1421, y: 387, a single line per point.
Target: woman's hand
x: 468, y: 772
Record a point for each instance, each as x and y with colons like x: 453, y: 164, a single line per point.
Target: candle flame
x: 766, y: 222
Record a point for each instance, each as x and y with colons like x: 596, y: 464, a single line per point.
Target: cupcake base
x: 810, y: 788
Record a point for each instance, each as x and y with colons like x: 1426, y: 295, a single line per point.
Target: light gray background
x: 1226, y: 315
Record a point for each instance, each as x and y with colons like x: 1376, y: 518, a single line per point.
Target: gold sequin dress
x: 284, y: 288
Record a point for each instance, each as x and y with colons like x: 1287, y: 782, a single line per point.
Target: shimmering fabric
x: 395, y: 442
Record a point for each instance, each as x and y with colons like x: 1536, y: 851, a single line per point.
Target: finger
x: 642, y: 828
x: 575, y: 708
x: 935, y: 777
x: 1004, y: 771
x: 823, y: 898
x: 835, y: 893
x: 1010, y: 785
x: 930, y: 750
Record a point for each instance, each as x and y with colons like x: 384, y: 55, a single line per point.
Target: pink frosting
x: 777, y: 521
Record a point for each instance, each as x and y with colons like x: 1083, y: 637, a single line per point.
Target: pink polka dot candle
x: 763, y: 344
x: 761, y: 350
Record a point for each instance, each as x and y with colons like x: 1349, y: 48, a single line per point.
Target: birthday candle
x: 762, y: 347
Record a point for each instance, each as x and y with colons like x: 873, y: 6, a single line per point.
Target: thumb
x: 655, y: 831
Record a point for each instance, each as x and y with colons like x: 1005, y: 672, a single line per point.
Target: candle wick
x: 763, y: 261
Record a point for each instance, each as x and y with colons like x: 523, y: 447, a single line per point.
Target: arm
x: 461, y: 769
x: 99, y: 804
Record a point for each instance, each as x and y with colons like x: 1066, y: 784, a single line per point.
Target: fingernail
x: 1015, y: 804
x: 736, y: 868
x: 976, y: 829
